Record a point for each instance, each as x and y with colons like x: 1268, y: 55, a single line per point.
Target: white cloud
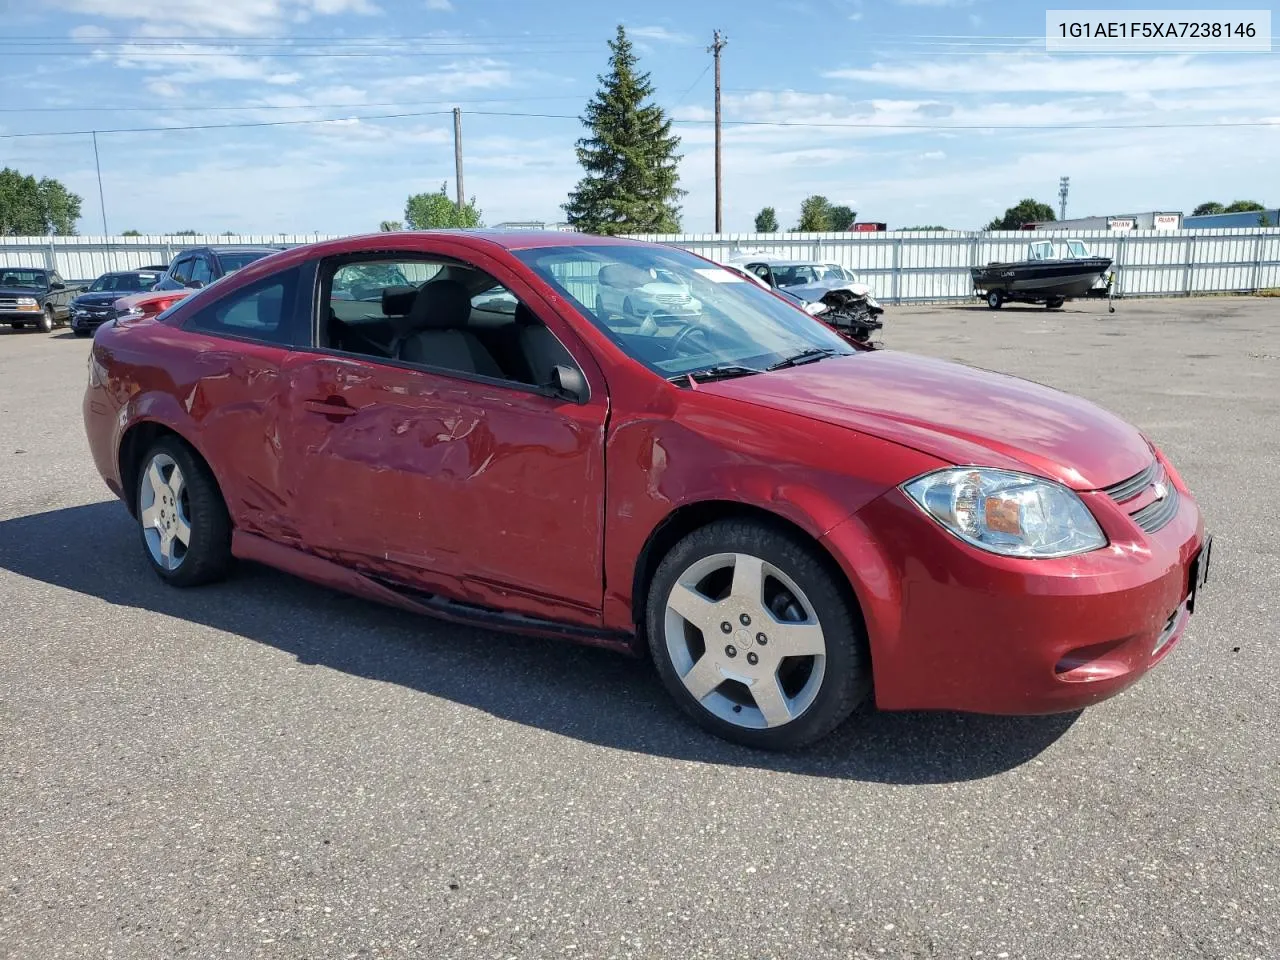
x: 479, y: 74
x: 658, y: 35
x: 89, y: 32
x: 1040, y: 73
x: 933, y: 155
x: 225, y: 17
x: 934, y: 3
x: 441, y: 6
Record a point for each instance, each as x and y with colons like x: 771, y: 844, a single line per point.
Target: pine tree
x: 629, y: 157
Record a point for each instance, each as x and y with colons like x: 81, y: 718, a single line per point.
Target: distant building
x: 534, y: 225
x: 1154, y: 220
x: 1251, y: 218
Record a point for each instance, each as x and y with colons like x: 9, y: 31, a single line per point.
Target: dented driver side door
x: 485, y: 493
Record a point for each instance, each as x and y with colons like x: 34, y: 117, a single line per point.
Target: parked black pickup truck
x: 34, y: 296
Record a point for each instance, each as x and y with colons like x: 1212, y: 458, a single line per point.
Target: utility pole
x: 1063, y: 184
x: 102, y: 203
x: 457, y: 154
x: 718, y: 44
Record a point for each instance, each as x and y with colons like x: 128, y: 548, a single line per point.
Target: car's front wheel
x: 755, y: 636
x: 46, y: 321
x: 185, y: 527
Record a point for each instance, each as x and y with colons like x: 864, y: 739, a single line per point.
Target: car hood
x: 660, y: 289
x: 22, y: 292
x: 957, y: 413
x: 100, y: 298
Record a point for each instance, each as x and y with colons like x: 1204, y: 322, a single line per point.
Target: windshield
x: 726, y: 320
x: 231, y: 262
x: 796, y: 274
x: 122, y: 281
x: 31, y: 279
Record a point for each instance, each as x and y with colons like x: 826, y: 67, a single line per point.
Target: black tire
x: 1055, y: 304
x: 46, y: 323
x: 994, y: 300
x: 208, y: 556
x: 846, y: 680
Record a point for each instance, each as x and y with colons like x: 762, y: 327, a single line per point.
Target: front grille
x: 1128, y: 489
x: 673, y: 299
x: 8, y: 303
x: 1156, y: 514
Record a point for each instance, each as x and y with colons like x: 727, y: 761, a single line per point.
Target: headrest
x: 441, y: 305
x: 623, y: 275
x: 398, y: 301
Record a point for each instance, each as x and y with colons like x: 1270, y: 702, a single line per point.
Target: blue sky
x: 102, y: 64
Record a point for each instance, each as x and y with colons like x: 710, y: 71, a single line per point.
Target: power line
x: 153, y: 108
x: 801, y: 124
x: 228, y: 126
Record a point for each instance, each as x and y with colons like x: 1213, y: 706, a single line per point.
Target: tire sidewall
x: 47, y: 322
x: 208, y: 554
x: 846, y: 677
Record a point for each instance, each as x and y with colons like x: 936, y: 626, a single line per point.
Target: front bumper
x: 81, y: 320
x: 952, y: 627
x: 30, y: 315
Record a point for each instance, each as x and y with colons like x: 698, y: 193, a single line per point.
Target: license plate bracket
x: 1198, y: 574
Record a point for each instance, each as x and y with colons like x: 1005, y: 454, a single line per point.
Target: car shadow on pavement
x: 589, y: 694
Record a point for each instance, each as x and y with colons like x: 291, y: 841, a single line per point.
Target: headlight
x: 872, y: 301
x: 1008, y: 513
x: 27, y: 302
x: 134, y: 311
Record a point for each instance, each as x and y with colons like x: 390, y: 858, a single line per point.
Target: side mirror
x: 57, y: 285
x: 569, y: 383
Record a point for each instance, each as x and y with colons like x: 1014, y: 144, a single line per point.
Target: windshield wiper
x: 723, y: 371
x: 807, y: 356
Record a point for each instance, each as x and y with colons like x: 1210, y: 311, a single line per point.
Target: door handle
x: 330, y: 408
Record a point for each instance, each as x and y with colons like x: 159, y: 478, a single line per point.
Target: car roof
x: 229, y: 248
x: 514, y: 239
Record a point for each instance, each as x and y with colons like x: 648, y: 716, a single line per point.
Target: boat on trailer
x: 1054, y: 272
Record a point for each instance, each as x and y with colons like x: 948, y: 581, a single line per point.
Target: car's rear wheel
x: 994, y: 300
x: 755, y: 636
x: 46, y: 321
x: 186, y: 531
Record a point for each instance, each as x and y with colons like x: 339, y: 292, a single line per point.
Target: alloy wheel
x: 745, y: 641
x: 164, y: 510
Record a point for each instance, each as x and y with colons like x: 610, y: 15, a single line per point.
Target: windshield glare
x: 231, y: 262
x: 122, y: 281
x: 722, y: 320
x: 32, y: 279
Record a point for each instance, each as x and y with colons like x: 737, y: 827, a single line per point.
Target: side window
x: 264, y: 311
x: 761, y: 270
x: 56, y: 281
x: 439, y: 314
x: 181, y: 272
x: 200, y: 271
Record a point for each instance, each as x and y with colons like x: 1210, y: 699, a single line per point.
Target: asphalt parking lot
x: 268, y: 769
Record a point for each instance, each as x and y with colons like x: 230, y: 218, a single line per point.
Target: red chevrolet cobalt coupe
x: 453, y: 423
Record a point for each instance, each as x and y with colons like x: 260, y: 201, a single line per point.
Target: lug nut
x: 761, y: 639
x: 752, y: 659
x: 731, y: 651
x: 745, y: 620
x: 726, y: 627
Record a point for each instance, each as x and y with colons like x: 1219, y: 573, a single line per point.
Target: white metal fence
x: 901, y: 267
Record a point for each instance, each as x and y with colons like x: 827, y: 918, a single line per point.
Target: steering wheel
x: 687, y: 331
